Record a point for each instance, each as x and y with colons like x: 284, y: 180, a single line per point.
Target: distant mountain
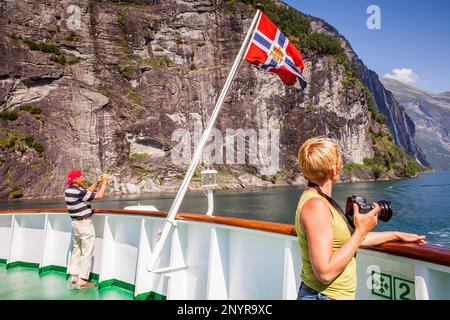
x: 444, y: 96
x: 430, y: 113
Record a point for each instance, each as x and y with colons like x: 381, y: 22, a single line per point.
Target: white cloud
x: 404, y: 75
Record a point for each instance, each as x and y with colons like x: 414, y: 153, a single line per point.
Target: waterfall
x: 397, y: 139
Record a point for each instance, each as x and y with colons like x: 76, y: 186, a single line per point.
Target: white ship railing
x: 210, y: 257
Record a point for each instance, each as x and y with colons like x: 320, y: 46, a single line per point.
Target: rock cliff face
x: 401, y: 125
x: 430, y: 113
x: 103, y: 86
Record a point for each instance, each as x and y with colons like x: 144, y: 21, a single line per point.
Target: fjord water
x: 421, y: 205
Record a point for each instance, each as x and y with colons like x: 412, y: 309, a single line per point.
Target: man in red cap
x: 78, y: 201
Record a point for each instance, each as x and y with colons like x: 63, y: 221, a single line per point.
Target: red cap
x: 74, y: 174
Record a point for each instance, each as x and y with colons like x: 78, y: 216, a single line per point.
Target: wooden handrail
x: 430, y: 253
x: 236, y: 222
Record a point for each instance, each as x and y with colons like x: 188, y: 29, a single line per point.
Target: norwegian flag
x: 272, y: 51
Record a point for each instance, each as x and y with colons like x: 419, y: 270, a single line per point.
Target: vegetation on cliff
x: 16, y: 192
x: 15, y: 142
x: 8, y: 115
x: 57, y: 55
x: 389, y: 160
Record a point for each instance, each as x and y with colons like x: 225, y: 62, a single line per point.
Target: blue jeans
x: 309, y: 294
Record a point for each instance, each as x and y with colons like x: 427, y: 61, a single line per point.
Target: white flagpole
x: 199, y: 150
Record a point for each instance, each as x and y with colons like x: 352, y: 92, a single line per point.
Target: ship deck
x: 208, y: 258
x: 26, y: 283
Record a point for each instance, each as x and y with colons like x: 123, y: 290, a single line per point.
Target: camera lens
x: 385, y: 210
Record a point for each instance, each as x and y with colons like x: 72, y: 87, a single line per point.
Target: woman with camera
x: 327, y: 240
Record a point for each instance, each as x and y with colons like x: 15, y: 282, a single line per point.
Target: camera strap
x: 333, y: 203
x: 329, y: 199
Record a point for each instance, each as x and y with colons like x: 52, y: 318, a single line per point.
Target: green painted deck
x: 22, y: 283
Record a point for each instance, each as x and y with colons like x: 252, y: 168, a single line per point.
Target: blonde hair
x: 318, y: 157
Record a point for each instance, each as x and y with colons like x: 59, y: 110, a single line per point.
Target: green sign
x: 392, y: 287
x: 404, y: 289
x: 382, y: 285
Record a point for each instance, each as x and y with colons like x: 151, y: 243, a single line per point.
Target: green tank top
x: 344, y: 286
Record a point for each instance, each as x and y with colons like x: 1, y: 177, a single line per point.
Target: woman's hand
x: 365, y: 222
x: 410, y: 237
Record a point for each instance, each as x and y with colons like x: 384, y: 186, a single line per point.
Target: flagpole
x: 170, y: 220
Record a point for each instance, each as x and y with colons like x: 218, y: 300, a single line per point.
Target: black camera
x: 384, y: 215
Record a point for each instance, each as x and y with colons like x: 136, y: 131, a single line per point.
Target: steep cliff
x: 103, y: 86
x: 401, y: 125
x: 430, y: 113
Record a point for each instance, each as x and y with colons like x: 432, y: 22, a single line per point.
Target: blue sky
x: 414, y: 36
